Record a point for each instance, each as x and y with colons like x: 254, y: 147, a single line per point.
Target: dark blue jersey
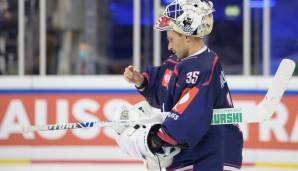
x: 189, y: 89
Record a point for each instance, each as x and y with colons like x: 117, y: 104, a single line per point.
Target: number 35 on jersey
x: 192, y: 77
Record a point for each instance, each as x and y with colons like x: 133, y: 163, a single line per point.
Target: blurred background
x: 74, y: 37
x: 61, y: 60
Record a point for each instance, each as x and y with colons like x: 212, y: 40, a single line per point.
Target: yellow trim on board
x: 277, y: 165
x: 14, y: 161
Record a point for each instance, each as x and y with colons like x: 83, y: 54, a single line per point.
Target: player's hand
x: 133, y: 76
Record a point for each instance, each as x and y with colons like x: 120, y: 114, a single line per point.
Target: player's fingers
x: 137, y: 77
x: 128, y: 79
x: 132, y: 75
x: 128, y: 76
x: 131, y: 68
x: 131, y: 80
x: 128, y: 72
x: 134, y: 79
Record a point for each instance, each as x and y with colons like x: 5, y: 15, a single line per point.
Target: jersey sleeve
x: 189, y: 120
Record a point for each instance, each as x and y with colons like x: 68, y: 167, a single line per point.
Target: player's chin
x: 179, y: 56
x: 176, y: 54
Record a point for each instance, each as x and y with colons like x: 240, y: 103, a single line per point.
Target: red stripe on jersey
x: 232, y: 165
x: 146, y: 75
x: 176, y: 71
x: 185, y: 100
x: 172, y: 61
x: 210, y: 77
x: 177, y: 167
x: 181, y: 168
x: 165, y: 137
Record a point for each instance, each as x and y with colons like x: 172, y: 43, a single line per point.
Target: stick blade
x: 278, y: 87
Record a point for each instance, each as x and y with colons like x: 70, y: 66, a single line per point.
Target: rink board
x: 36, y: 100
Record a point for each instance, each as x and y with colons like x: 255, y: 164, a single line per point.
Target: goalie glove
x: 123, y: 114
x: 136, y: 142
x: 160, y: 161
x: 139, y: 112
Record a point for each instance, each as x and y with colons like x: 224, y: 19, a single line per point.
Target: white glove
x: 141, y: 111
x: 134, y: 141
x: 148, y: 112
x: 161, y: 160
x: 133, y: 138
x: 122, y: 113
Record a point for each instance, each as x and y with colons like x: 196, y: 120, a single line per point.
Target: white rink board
x: 118, y: 82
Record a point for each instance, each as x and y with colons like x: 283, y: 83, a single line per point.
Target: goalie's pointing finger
x: 132, y: 75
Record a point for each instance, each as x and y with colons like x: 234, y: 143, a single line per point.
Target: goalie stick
x: 259, y: 113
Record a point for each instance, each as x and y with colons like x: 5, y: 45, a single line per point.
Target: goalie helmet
x: 187, y: 17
